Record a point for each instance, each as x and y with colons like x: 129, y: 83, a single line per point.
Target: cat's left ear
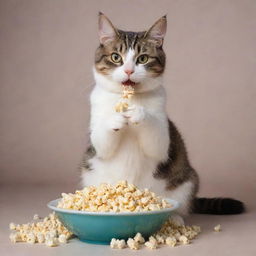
x: 107, y: 31
x: 157, y: 32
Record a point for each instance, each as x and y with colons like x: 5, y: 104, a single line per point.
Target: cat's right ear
x: 107, y: 31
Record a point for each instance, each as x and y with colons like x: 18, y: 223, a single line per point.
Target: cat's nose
x: 129, y: 71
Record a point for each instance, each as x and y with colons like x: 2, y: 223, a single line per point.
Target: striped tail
x: 218, y: 206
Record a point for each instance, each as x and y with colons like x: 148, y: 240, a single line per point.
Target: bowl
x: 101, y: 227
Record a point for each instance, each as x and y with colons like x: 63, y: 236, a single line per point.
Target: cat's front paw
x: 117, y: 122
x: 135, y: 114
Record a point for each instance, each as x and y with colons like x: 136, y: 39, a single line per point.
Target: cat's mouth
x: 128, y: 83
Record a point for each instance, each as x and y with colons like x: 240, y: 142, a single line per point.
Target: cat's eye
x: 142, y: 59
x: 116, y: 58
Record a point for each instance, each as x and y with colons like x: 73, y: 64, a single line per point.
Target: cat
x: 140, y: 145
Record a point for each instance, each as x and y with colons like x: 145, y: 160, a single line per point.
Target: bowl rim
x: 175, y: 205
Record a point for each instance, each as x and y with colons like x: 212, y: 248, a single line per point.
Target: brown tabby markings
x: 130, y: 40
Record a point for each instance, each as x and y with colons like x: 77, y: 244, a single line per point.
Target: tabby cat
x: 140, y: 145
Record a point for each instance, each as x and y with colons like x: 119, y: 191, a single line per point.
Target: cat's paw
x: 135, y: 114
x: 117, y: 122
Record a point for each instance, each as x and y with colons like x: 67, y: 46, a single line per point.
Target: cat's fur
x: 140, y: 145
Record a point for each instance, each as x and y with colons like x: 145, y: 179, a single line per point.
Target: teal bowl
x: 101, y: 227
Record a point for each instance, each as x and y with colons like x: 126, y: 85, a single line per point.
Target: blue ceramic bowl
x: 101, y: 227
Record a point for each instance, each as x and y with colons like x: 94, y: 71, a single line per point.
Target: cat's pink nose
x: 129, y: 71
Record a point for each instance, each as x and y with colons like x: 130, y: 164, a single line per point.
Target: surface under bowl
x: 101, y: 227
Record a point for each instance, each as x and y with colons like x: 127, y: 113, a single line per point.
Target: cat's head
x: 130, y: 58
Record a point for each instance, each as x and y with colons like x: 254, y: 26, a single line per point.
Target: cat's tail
x: 219, y: 206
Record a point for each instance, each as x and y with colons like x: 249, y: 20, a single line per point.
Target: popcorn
x: 62, y: 239
x: 171, y: 241
x: 122, y: 105
x: 132, y: 244
x: 12, y: 226
x: 36, y: 217
x: 139, y: 238
x: 184, y: 239
x: 151, y: 245
x: 121, y: 197
x: 117, y: 244
x: 49, y: 231
x: 171, y: 234
x: 52, y: 242
x: 217, y: 228
x: 15, y: 237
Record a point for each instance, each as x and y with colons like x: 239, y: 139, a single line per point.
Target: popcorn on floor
x: 49, y: 231
x: 217, y: 228
x: 171, y: 234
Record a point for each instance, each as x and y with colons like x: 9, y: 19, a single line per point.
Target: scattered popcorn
x: 121, y: 197
x: 139, y: 238
x: 171, y: 234
x: 132, y: 244
x: 217, y: 228
x: 171, y: 241
x: 49, y: 231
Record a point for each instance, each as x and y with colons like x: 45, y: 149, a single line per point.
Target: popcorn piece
x: 151, y: 245
x: 160, y: 239
x: 12, y: 226
x: 62, y: 239
x: 15, y: 237
x: 139, y: 238
x: 40, y: 238
x: 217, y: 228
x: 184, y: 239
x: 171, y: 241
x: 132, y: 244
x: 36, y: 217
x: 51, y: 242
x: 31, y: 238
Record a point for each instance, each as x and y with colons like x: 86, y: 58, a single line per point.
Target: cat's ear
x: 107, y: 31
x: 157, y: 32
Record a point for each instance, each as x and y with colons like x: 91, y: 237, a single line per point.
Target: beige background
x: 46, y: 55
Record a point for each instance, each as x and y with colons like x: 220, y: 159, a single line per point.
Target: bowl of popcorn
x: 119, y: 211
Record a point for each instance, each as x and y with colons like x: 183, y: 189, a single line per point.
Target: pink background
x: 46, y: 56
